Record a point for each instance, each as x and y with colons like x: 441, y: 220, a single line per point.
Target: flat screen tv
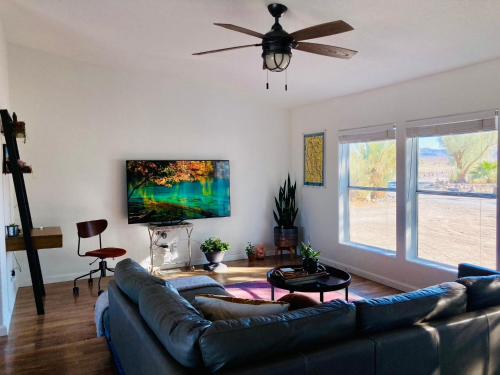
x: 169, y: 191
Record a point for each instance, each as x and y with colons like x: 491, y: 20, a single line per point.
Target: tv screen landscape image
x: 174, y: 190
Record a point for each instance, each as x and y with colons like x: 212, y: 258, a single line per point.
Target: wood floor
x: 63, y: 341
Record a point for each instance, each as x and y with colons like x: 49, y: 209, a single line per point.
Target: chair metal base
x: 103, y: 267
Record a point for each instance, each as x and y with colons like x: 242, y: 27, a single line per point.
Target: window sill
x: 371, y: 249
x: 435, y: 265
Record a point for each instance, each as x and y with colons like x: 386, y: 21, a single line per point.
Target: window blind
x: 470, y: 123
x: 368, y: 134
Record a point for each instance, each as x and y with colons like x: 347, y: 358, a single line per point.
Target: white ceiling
x: 397, y: 39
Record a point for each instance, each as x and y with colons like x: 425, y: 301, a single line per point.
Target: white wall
x: 8, y: 287
x: 468, y: 89
x: 84, y: 121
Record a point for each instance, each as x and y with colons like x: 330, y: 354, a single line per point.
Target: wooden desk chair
x: 87, y: 229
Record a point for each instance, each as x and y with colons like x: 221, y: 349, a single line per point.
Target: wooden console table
x: 43, y: 238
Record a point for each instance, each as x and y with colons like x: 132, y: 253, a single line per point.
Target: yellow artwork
x: 314, y: 147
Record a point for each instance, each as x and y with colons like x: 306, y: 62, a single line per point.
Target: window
x: 454, y: 195
x: 447, y: 192
x: 368, y: 189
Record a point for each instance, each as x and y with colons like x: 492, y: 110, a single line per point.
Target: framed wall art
x: 314, y: 159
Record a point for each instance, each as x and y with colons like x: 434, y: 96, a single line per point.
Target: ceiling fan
x: 277, y: 44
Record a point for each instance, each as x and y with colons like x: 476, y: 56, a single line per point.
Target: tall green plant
x: 286, y: 213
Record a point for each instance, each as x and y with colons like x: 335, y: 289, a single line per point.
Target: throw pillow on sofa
x: 298, y: 301
x: 217, y: 307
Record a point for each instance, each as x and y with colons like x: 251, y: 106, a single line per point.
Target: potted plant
x: 310, y: 258
x: 214, y: 250
x: 286, y: 234
x: 250, y: 249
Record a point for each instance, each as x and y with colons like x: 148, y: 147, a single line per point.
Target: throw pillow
x: 215, y: 307
x: 298, y: 301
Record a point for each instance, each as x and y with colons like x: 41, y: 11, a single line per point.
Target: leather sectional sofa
x: 452, y: 328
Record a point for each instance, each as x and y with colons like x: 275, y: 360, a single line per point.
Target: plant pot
x: 286, y: 237
x: 214, y: 257
x: 310, y: 265
x: 252, y: 257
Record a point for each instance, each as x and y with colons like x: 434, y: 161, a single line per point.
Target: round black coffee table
x: 337, y: 280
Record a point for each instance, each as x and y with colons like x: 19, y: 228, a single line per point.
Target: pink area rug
x: 262, y: 290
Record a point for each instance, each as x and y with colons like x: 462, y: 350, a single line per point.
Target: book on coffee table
x: 299, y: 276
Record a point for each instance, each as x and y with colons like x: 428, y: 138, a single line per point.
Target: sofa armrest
x: 466, y: 269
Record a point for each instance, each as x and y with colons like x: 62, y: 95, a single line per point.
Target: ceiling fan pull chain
x: 267, y: 79
x: 286, y: 80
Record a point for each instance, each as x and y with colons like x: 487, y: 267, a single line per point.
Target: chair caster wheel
x: 91, y: 282
x: 100, y: 292
x: 76, y: 291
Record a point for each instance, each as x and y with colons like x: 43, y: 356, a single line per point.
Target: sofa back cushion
x: 436, y: 302
x: 175, y: 322
x: 131, y: 277
x: 229, y: 343
x: 466, y: 270
x: 482, y: 291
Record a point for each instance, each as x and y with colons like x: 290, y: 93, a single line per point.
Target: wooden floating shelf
x: 46, y: 238
x: 23, y: 170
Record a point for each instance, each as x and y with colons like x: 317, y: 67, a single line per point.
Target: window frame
x: 361, y: 135
x: 412, y: 251
x: 407, y: 183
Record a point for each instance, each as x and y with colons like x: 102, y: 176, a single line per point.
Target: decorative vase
x: 260, y: 252
x: 214, y: 257
x: 310, y: 265
x: 286, y: 237
x: 12, y: 230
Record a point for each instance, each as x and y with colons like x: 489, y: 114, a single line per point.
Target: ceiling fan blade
x: 325, y: 29
x: 226, y: 49
x: 326, y: 50
x: 240, y: 29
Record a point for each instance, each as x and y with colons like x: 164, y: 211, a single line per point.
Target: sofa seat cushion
x: 219, y: 307
x: 482, y: 291
x: 230, y: 343
x: 175, y: 322
x: 131, y: 278
x: 436, y: 302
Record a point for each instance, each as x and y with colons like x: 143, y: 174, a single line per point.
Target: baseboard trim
x: 49, y: 279
x: 370, y: 276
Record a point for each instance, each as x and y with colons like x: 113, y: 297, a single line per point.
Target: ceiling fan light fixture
x: 277, y: 61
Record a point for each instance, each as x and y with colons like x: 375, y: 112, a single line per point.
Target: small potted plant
x: 250, y: 250
x: 310, y: 258
x: 214, y: 250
